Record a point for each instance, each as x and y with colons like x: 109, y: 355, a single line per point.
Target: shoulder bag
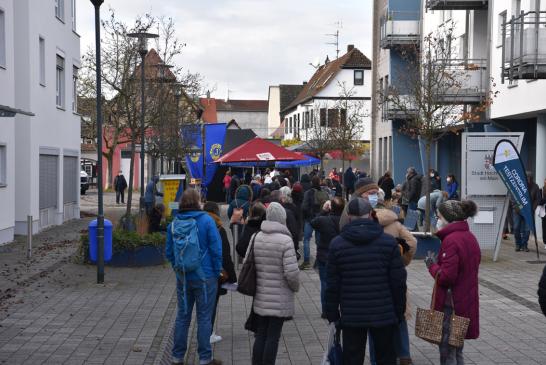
x: 247, y: 277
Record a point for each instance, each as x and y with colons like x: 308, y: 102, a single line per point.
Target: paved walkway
x: 56, y: 314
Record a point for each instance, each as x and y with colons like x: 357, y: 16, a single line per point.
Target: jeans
x: 401, y: 341
x: 307, y: 234
x: 120, y: 194
x: 520, y: 230
x: 449, y: 355
x: 412, y: 205
x: 266, y: 343
x: 322, y: 275
x: 354, y: 345
x: 203, y: 294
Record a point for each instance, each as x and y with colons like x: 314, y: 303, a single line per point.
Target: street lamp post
x: 177, y: 94
x: 100, y: 216
x: 163, y: 67
x: 142, y: 50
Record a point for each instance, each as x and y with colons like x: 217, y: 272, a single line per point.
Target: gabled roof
x: 242, y: 105
x: 327, y: 72
x: 151, y: 68
x: 288, y: 93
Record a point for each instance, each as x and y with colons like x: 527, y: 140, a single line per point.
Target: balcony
x: 394, y: 111
x: 400, y: 29
x: 524, y: 47
x: 457, y: 4
x: 468, y: 83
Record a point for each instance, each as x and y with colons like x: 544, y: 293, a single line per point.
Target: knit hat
x: 453, y: 210
x: 359, y: 207
x: 297, y: 188
x: 276, y: 213
x: 365, y: 184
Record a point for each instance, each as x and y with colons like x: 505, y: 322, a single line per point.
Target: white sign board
x: 266, y: 156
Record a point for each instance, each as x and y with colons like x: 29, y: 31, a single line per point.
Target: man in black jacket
x: 366, y: 288
x: 411, y: 191
x: 313, y: 199
x: 120, y: 184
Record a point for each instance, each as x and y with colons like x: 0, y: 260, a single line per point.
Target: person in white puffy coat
x: 277, y: 279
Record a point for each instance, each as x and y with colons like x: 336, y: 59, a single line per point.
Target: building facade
x: 39, y: 62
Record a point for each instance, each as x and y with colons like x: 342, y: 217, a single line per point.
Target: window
x: 502, y: 20
x: 333, y: 118
x: 3, y: 168
x: 2, y: 39
x: 60, y: 81
x: 343, y: 116
x: 285, y: 125
x: 306, y: 120
x: 42, y: 61
x: 71, y: 174
x: 359, y: 77
x: 290, y: 126
x: 74, y: 15
x: 59, y: 9
x: 323, y: 117
x: 74, y: 89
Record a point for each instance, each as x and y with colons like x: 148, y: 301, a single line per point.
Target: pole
x: 100, y: 217
x: 142, y: 111
x: 29, y: 236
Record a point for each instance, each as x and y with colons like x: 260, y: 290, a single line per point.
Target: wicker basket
x: 457, y: 329
x: 428, y: 322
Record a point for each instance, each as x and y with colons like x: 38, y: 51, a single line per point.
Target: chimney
x: 208, y: 94
x: 327, y: 60
x: 350, y: 47
x: 304, y: 83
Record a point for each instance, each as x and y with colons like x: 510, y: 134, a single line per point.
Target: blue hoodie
x: 209, y: 240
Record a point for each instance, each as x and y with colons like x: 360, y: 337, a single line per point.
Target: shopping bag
x: 334, y: 352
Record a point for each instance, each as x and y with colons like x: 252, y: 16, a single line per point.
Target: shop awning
x: 259, y: 151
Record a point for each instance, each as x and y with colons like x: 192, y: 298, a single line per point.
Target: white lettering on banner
x: 266, y: 156
x: 516, y: 182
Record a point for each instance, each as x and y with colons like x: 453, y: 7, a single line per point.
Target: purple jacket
x: 457, y: 268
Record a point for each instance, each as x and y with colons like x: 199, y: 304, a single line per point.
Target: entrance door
x: 125, y: 164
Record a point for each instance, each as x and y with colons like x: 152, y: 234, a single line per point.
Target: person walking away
x: 227, y: 183
x: 256, y: 186
x: 120, y: 184
x: 408, y: 246
x: 239, y: 207
x: 228, y: 274
x: 252, y: 225
x: 349, y: 179
x: 195, y: 231
x: 452, y: 187
x: 366, y: 286
x: 277, y: 279
x: 386, y: 183
x: 150, y: 194
x: 313, y: 201
x: 291, y: 215
x: 456, y: 273
x: 155, y: 218
x: 411, y: 190
x: 327, y: 225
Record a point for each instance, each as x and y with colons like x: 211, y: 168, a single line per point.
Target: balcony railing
x: 524, y: 46
x: 394, y: 111
x: 470, y: 81
x: 400, y: 29
x: 457, y: 4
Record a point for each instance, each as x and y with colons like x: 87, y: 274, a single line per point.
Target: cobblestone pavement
x: 63, y: 317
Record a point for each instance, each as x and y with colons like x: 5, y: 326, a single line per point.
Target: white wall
x: 257, y: 121
x: 51, y: 127
x: 346, y: 77
x: 274, y: 109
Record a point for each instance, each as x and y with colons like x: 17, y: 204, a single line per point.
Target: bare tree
x: 317, y: 134
x: 432, y: 91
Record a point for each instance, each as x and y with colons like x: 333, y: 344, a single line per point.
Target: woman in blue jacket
x: 452, y: 187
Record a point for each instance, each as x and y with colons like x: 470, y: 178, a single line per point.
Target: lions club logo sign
x: 215, y: 151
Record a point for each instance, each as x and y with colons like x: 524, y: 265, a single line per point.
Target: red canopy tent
x: 258, y: 150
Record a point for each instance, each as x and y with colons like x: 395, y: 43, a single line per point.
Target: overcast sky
x: 247, y: 45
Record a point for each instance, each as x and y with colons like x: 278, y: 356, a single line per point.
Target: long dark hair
x: 452, y: 177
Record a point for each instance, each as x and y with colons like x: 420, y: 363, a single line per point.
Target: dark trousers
x: 215, y: 307
x: 266, y: 343
x: 354, y: 345
x: 120, y: 194
x: 544, y: 230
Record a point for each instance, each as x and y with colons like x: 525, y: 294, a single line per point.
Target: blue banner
x: 192, y: 136
x: 510, y: 168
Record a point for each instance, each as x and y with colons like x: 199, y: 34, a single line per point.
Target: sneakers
x: 526, y: 249
x: 518, y: 249
x: 214, y: 338
x: 305, y: 266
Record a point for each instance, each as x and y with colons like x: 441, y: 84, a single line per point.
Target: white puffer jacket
x: 277, y: 273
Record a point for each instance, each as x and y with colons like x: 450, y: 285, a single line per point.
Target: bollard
x: 29, y: 236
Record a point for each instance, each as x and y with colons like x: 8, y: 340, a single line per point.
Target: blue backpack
x: 187, y: 251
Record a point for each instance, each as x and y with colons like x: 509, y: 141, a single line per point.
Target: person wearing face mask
x: 456, y: 273
x: 452, y: 187
x: 365, y: 188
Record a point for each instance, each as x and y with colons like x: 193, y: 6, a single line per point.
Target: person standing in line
x: 277, y: 279
x: 313, y: 201
x: 386, y: 183
x: 456, y: 274
x: 327, y: 225
x: 150, y: 195
x: 228, y: 274
x: 349, y: 180
x: 227, y: 183
x: 197, y: 287
x: 252, y: 225
x: 233, y: 186
x: 120, y: 184
x: 411, y: 190
x: 366, y: 286
x: 452, y: 187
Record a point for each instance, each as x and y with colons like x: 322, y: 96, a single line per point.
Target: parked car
x: 84, y: 182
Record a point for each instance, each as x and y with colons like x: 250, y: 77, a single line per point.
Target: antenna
x: 339, y: 25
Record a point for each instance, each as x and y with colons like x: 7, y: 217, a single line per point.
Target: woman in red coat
x: 456, y: 271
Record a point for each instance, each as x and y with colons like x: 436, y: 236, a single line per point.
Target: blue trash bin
x: 93, y: 242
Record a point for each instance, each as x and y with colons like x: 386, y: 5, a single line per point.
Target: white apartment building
x: 39, y: 60
x: 317, y: 104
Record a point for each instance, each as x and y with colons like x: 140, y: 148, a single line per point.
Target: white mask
x: 441, y: 224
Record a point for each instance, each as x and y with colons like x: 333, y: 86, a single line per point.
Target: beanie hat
x: 453, y: 210
x: 365, y: 184
x: 276, y: 213
x: 359, y: 207
x: 297, y: 188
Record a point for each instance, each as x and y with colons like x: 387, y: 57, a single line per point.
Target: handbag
x: 247, y: 277
x: 251, y: 323
x: 458, y: 326
x: 334, y: 352
x: 429, y: 322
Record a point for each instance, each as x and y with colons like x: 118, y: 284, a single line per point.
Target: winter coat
x: 277, y: 273
x: 349, y: 179
x: 209, y: 241
x: 120, y: 184
x: 391, y: 225
x: 151, y: 191
x: 227, y: 262
x: 366, y: 278
x: 256, y: 188
x: 252, y: 226
x: 452, y: 193
x: 234, y: 185
x: 411, y: 191
x: 436, y: 199
x: 536, y: 195
x: 457, y: 269
x: 386, y: 184
x: 305, y: 182
x: 542, y: 292
x: 309, y: 208
x: 328, y: 227
x: 241, y: 199
x: 292, y: 223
